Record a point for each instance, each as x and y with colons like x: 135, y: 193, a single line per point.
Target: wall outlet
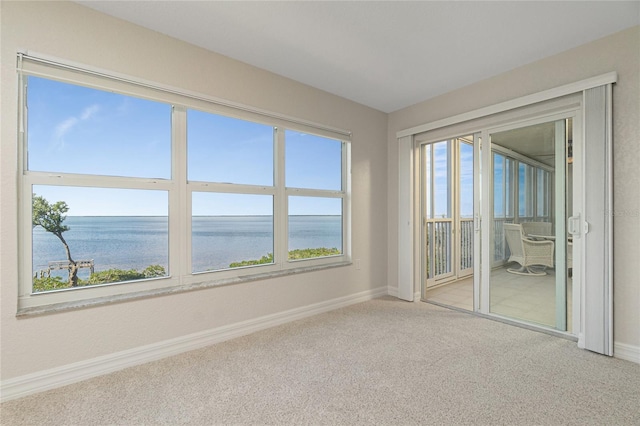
x: 358, y: 264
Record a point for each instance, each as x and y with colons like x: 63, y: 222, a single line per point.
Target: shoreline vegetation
x: 202, y: 215
x: 51, y: 217
x: 112, y: 276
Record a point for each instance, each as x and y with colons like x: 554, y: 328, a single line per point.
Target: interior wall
x: 618, y: 52
x: 75, y: 33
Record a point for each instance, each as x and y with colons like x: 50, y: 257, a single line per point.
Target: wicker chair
x: 528, y: 253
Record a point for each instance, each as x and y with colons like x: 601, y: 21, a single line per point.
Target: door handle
x: 573, y: 226
x: 476, y: 223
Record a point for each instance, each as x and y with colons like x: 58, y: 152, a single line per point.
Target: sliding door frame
x: 558, y: 210
x: 597, y: 322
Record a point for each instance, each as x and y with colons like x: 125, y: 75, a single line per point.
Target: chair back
x: 513, y: 235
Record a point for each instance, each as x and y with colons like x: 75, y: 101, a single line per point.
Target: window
x: 525, y: 191
x: 543, y: 194
x: 498, y: 185
x: 315, y: 227
x: 314, y: 179
x: 115, y: 229
x: 76, y: 129
x: 227, y: 150
x: 129, y: 188
x: 313, y: 162
x: 230, y: 230
x: 518, y: 187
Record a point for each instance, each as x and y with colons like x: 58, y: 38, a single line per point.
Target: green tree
x: 51, y: 218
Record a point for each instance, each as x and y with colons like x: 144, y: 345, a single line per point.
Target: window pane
x: 231, y: 230
x: 312, y: 162
x: 120, y: 234
x: 75, y: 129
x: 508, y: 177
x: 441, y: 180
x: 466, y: 180
x: 315, y: 227
x: 427, y: 181
x: 498, y: 186
x: 525, y: 191
x: 228, y: 150
x: 542, y: 192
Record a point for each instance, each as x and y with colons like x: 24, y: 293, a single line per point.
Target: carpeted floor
x: 381, y: 362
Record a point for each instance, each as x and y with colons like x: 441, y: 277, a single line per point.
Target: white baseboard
x: 626, y: 352
x: 392, y: 291
x: 60, y: 376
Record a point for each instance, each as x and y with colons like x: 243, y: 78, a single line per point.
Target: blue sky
x: 75, y: 129
x: 441, y: 179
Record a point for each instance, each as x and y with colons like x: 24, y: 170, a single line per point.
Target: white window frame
x: 179, y: 189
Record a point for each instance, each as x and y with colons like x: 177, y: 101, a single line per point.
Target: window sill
x: 107, y: 300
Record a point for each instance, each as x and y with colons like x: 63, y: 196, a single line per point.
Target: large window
x: 135, y: 190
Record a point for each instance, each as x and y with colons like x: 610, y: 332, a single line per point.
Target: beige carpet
x: 379, y: 362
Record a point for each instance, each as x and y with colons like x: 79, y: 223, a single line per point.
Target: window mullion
x: 179, y: 199
x: 97, y: 181
x: 302, y: 192
x: 230, y: 188
x: 346, y: 202
x: 280, y: 202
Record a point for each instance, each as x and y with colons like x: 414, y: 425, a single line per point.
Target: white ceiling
x: 387, y: 55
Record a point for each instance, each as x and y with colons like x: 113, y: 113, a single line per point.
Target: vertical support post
x: 405, y: 219
x: 598, y: 225
x: 561, y: 234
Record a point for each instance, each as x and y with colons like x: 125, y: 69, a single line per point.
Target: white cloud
x: 67, y: 125
x: 64, y: 127
x: 89, y: 112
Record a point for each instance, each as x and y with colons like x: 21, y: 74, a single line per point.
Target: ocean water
x: 137, y: 242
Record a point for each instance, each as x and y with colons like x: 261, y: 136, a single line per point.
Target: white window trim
x: 179, y: 192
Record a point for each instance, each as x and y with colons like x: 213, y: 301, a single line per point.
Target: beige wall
x: 619, y: 52
x: 75, y: 33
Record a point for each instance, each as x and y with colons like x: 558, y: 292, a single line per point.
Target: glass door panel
x: 438, y: 218
x: 447, y: 191
x: 528, y: 280
x: 465, y: 208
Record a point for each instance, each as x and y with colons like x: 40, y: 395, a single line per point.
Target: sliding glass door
x: 529, y: 262
x: 541, y: 244
x: 447, y: 206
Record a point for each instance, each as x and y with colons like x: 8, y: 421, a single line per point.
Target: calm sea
x: 137, y: 242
